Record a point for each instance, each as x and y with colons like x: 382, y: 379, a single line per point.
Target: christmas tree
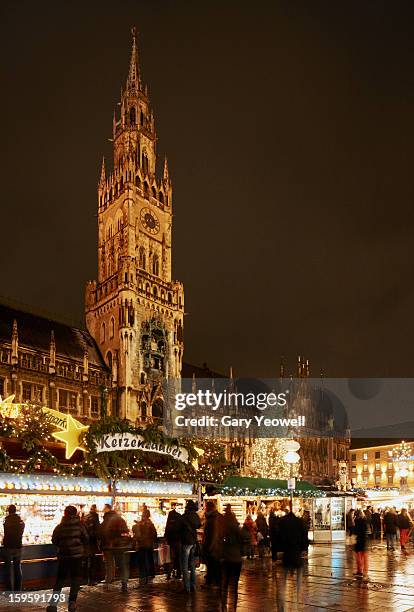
x: 268, y: 459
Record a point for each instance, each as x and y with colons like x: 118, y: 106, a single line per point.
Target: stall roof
x: 244, y: 482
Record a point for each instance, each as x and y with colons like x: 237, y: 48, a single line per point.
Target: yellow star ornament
x: 70, y: 436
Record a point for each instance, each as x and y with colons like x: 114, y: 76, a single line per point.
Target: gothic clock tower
x: 135, y: 310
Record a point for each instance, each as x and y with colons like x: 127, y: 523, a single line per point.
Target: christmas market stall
x: 247, y: 496
x: 49, y: 459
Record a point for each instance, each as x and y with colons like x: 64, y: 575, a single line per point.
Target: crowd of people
x: 373, y: 524
x: 214, y: 540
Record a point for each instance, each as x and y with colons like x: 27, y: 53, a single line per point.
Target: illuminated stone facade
x: 134, y: 310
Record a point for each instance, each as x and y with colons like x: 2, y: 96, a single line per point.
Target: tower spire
x: 134, y: 77
x: 103, y: 171
x: 166, y: 175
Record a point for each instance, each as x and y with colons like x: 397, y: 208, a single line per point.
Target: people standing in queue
x: 92, y: 524
x: 12, y: 548
x: 115, y: 541
x: 211, y: 544
x: 71, y: 539
x: 361, y: 532
x: 405, y: 525
x: 145, y: 538
x: 189, y: 523
x: 231, y: 555
x: 173, y: 540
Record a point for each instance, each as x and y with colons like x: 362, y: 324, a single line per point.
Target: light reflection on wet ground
x: 328, y: 584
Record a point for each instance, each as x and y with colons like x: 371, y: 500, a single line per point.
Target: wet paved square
x: 328, y: 584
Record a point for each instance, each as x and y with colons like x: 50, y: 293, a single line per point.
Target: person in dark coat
x: 145, y: 538
x: 293, y: 540
x: 376, y: 525
x: 249, y: 530
x: 262, y: 533
x: 211, y: 544
x: 231, y: 547
x: 390, y: 528
x: 71, y: 539
x: 189, y: 523
x: 92, y: 524
x: 12, y: 551
x: 274, y: 533
x: 115, y: 541
x: 361, y: 532
x: 172, y: 537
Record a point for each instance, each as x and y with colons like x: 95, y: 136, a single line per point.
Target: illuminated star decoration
x: 8, y: 409
x: 70, y: 436
x: 200, y: 452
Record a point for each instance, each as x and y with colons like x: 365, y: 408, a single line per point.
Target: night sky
x: 289, y: 129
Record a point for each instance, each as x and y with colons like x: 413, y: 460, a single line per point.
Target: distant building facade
x: 373, y: 464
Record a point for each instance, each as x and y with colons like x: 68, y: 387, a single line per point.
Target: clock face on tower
x: 149, y: 221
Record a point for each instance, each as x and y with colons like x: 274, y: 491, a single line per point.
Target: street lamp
x: 291, y: 457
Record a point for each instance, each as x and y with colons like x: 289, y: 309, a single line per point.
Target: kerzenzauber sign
x: 130, y: 441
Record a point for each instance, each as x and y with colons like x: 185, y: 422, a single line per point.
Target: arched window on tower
x: 132, y: 116
x: 146, y: 190
x: 138, y: 181
x: 141, y: 118
x: 161, y: 197
x: 145, y: 164
x: 109, y: 360
x: 102, y: 333
x: 156, y: 265
x: 112, y: 327
x: 154, y: 192
x: 142, y: 259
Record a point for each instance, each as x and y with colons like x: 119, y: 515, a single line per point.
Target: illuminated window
x: 390, y: 465
x: 377, y: 479
x: 63, y: 398
x: 365, y: 456
x: 377, y: 467
x: 365, y: 468
x: 390, y: 479
x: 389, y: 453
x: 26, y: 392
x: 94, y: 405
x: 354, y: 469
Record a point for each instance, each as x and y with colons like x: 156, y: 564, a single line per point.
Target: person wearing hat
x: 71, y: 538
